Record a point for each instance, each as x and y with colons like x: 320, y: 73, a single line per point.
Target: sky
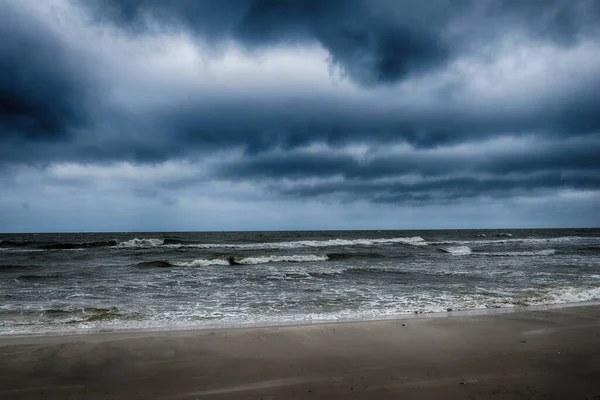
x: 209, y: 115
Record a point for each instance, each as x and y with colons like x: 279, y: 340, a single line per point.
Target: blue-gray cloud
x: 41, y: 94
x: 59, y: 103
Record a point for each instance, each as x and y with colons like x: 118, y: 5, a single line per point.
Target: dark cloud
x: 44, y: 94
x: 482, y: 170
x: 361, y: 39
x: 440, y: 190
x: 41, y: 95
x: 373, y: 41
x: 51, y: 112
x: 481, y: 158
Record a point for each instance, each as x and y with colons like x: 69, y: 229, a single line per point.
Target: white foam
x: 199, y: 263
x: 251, y: 260
x: 569, y: 295
x: 412, y: 241
x: 285, y: 258
x: 458, y: 250
x: 144, y: 242
x: 546, y: 252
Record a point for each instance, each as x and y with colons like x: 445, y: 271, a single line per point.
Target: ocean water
x: 102, y: 281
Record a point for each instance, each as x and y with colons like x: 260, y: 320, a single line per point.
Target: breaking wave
x: 179, y: 243
x: 457, y: 250
x: 413, y: 241
x: 290, y: 258
x: 466, y: 250
x: 565, y: 295
x: 571, y: 295
x: 150, y: 242
x: 200, y: 262
x: 238, y: 260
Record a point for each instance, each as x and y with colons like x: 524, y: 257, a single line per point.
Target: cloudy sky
x: 134, y: 115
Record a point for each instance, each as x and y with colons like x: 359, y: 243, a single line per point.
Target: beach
x: 527, y: 354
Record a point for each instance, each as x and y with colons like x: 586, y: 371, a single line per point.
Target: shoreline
x: 533, y: 354
x: 258, y: 325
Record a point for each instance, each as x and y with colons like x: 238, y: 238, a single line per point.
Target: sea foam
x: 144, y: 242
x: 412, y: 241
x: 233, y: 260
x: 457, y: 250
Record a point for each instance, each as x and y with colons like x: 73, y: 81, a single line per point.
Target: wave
x: 15, y: 243
x: 33, y: 277
x: 144, y: 242
x: 82, y: 315
x: 84, y: 245
x: 290, y: 258
x: 413, y: 241
x: 531, y: 241
x: 457, y: 250
x: 154, y: 264
x: 592, y: 249
x: 18, y: 267
x: 34, y: 245
x: 466, y: 250
x: 345, y: 256
x: 200, y: 262
x: 546, y: 252
x: 179, y: 243
x: 571, y: 295
x: 565, y: 295
x: 238, y: 260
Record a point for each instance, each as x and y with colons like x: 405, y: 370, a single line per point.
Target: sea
x: 86, y: 282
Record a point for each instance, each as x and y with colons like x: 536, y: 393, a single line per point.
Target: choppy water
x: 74, y: 282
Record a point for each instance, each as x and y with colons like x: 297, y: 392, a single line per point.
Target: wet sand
x: 550, y: 354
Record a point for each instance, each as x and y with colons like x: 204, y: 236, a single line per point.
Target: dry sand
x: 550, y: 354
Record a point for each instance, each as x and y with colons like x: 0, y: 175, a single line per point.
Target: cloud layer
x: 351, y: 103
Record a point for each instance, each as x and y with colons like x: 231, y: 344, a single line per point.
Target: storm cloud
x: 40, y: 93
x: 353, y: 104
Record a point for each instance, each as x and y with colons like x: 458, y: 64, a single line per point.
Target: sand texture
x: 549, y: 354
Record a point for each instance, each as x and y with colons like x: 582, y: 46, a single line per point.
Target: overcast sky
x: 135, y: 115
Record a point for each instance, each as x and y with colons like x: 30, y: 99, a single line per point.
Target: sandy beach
x: 533, y: 354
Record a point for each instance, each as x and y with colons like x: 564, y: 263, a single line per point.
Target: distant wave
x: 546, y: 252
x: 177, y: 243
x: 590, y: 248
x: 34, y: 245
x: 144, y: 242
x: 413, y: 241
x: 33, y: 277
x: 201, y: 262
x: 154, y: 264
x: 532, y: 241
x: 18, y: 267
x: 457, y: 250
x: 290, y: 258
x: 465, y: 250
x: 240, y: 260
x: 15, y: 243
x: 85, y: 245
